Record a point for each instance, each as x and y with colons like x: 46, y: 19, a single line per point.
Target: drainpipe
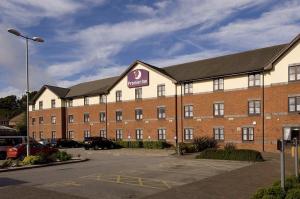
x: 106, y: 116
x: 263, y: 111
x: 176, y: 119
x: 181, y: 113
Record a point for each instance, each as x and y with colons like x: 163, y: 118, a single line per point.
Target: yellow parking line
x: 166, y: 184
x: 118, y: 179
x: 140, y: 181
x: 72, y: 183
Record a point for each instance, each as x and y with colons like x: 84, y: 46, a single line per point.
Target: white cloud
x: 11, y: 91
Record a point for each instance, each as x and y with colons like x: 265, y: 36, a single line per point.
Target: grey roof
x: 91, y: 88
x: 5, y: 128
x: 59, y: 91
x: 249, y: 61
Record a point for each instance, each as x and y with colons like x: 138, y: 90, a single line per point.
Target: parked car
x: 19, y: 151
x: 97, y: 143
x: 44, y: 142
x: 68, y: 143
x: 9, y: 141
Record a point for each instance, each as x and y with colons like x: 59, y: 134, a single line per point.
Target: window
x: 188, y: 88
x: 41, y: 120
x: 188, y: 111
x: 219, y: 109
x: 119, y: 134
x: 33, y: 121
x: 86, y: 100
x: 118, y: 96
x: 138, y: 93
x: 119, y: 116
x: 102, y: 116
x: 161, y: 134
x: 294, y: 104
x: 294, y: 73
x: 33, y: 107
x: 41, y: 135
x: 219, y: 84
x: 161, y: 113
x: 52, y: 103
x: 248, y: 134
x: 219, y: 133
x: 188, y: 133
x: 161, y: 90
x: 40, y: 105
x: 86, y: 117
x: 53, y: 134
x: 103, y: 133
x: 33, y: 135
x: 70, y: 103
x: 254, y: 80
x: 87, y: 133
x: 70, y: 135
x: 71, y: 118
x: 53, y: 119
x: 138, y: 114
x: 254, y: 107
x: 139, y: 134
x: 102, y: 99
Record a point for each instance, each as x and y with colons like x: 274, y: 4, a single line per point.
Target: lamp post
x: 36, y: 39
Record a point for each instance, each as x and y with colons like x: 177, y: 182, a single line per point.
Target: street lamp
x: 36, y: 39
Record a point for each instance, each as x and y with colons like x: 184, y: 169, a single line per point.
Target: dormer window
x: 53, y: 103
x: 86, y: 101
x: 254, y: 80
x: 40, y: 105
x: 188, y: 88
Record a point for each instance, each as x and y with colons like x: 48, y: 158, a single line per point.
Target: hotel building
x: 248, y: 98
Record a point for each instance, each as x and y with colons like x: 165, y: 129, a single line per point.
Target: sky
x: 92, y: 39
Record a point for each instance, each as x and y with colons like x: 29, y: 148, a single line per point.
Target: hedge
x: 142, y: 144
x: 237, y: 154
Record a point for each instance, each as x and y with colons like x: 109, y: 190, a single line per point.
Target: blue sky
x: 91, y: 39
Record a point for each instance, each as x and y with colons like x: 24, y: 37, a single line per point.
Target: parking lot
x: 120, y: 173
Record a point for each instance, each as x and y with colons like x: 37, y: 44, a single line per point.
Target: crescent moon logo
x: 137, y: 74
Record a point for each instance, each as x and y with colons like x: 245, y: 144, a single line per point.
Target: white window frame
x: 188, y: 133
x: 248, y: 134
x: 188, y: 111
x: 139, y: 134
x: 161, y: 90
x: 218, y: 84
x: 219, y: 133
x: 161, y: 133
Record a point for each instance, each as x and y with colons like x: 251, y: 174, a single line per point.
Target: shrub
x: 293, y: 194
x: 202, y: 143
x: 229, y: 146
x: 239, y: 154
x: 6, y: 163
x: 32, y: 159
x: 142, y: 144
x: 186, y: 148
x: 63, y: 156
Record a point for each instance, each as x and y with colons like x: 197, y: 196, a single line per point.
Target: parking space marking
x: 63, y: 184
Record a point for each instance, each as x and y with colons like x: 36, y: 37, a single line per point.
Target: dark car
x: 67, y: 143
x: 97, y: 143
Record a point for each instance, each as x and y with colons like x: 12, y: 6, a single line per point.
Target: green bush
x: 229, y: 146
x: 238, y: 154
x: 32, y: 159
x: 293, y: 194
x: 142, y: 144
x: 63, y: 156
x: 186, y: 148
x: 6, y: 163
x: 202, y: 143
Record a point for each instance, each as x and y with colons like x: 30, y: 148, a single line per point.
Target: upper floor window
x: 219, y: 133
x: 71, y: 118
x: 119, y: 134
x: 254, y: 80
x: 294, y: 73
x: 41, y: 120
x: 248, y: 133
x: 87, y: 133
x: 254, y: 107
x: 294, y: 104
x: 53, y: 119
x: 86, y: 101
x: 102, y: 99
x: 138, y: 114
x: 218, y: 84
x: 33, y: 121
x: 70, y: 135
x: 53, y: 103
x: 103, y: 133
x: 161, y: 112
x: 102, y: 116
x: 41, y: 135
x: 118, y: 96
x: 188, y: 133
x: 33, y: 107
x: 138, y: 93
x: 139, y: 134
x: 188, y: 88
x: 219, y: 109
x: 70, y: 103
x: 161, y: 90
x: 188, y: 111
x: 86, y: 117
x: 119, y: 116
x: 40, y: 105
x: 161, y: 134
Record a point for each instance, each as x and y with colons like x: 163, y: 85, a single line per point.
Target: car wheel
x: 86, y: 148
x: 2, y: 155
x: 96, y: 147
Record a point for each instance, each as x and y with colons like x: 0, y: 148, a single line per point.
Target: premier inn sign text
x: 138, y: 78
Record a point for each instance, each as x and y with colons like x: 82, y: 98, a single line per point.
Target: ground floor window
x: 119, y: 134
x: 161, y: 134
x: 139, y: 134
x: 41, y: 135
x: 87, y: 133
x: 103, y: 133
x: 71, y: 135
x: 33, y: 135
x: 188, y: 133
x: 53, y: 134
x: 248, y: 134
x: 219, y: 133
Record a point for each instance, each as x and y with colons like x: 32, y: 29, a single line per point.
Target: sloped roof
x: 249, y: 61
x: 59, y: 91
x: 18, y: 117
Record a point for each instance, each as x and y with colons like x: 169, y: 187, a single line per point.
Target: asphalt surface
x: 113, y: 174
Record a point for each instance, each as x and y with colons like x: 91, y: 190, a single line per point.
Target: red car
x: 19, y: 151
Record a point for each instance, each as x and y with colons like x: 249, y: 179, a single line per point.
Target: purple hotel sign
x: 138, y: 78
